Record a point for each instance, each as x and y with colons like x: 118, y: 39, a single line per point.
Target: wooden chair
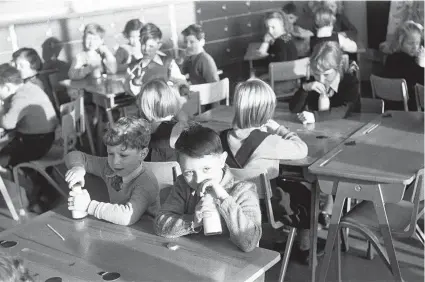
x: 259, y: 177
x: 402, y: 219
x: 373, y: 106
x: 166, y: 174
x: 56, y: 155
x: 419, y: 92
x: 290, y: 74
x: 212, y: 92
x: 8, y: 200
x: 392, y: 89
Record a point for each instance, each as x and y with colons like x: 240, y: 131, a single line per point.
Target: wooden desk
x: 376, y: 168
x: 92, y: 246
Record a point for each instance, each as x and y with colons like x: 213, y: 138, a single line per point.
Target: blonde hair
x: 95, y: 29
x: 157, y: 100
x: 280, y: 15
x: 254, y: 104
x: 325, y: 56
x: 403, y: 31
x: 339, y: 5
x: 324, y: 16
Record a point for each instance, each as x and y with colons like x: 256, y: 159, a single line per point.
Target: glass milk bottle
x: 324, y: 102
x: 211, y: 221
x: 78, y: 214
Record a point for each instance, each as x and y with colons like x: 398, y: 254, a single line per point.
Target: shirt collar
x: 157, y: 59
x: 134, y: 174
x: 325, y: 31
x: 335, y: 83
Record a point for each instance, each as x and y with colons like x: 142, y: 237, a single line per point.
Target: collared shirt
x: 334, y: 85
x: 174, y: 68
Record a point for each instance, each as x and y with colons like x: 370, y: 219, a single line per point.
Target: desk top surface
x: 92, y: 246
x: 110, y: 85
x: 389, y: 149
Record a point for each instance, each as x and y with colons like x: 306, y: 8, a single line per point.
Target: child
x: 406, y: 61
x: 128, y: 53
x: 28, y: 63
x: 132, y: 188
x: 153, y: 64
x: 199, y: 65
x: 28, y: 111
x: 324, y: 19
x: 159, y: 104
x: 96, y: 57
x: 257, y: 141
x: 330, y: 79
x: 202, y: 160
x: 12, y: 269
x: 342, y: 23
x: 278, y: 41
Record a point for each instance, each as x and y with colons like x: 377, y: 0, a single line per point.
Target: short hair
x: 95, y: 29
x: 157, y: 100
x: 12, y: 269
x: 31, y: 56
x: 290, y: 9
x: 9, y: 74
x: 254, y: 103
x: 339, y: 5
x: 324, y: 16
x: 325, y: 56
x: 131, y: 132
x: 195, y: 30
x: 197, y: 141
x: 282, y: 17
x: 150, y: 31
x: 403, y: 31
x: 132, y: 25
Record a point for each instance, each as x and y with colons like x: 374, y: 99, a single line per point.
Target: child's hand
x: 353, y: 67
x: 79, y: 201
x: 102, y: 50
x: 75, y: 175
x: 315, y: 86
x: 306, y: 117
x: 272, y: 125
x: 203, y: 209
x: 213, y: 187
x: 268, y: 38
x: 420, y: 59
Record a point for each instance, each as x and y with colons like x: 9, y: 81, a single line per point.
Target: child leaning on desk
x: 28, y: 63
x: 202, y: 161
x: 96, y: 57
x: 132, y: 51
x: 133, y: 189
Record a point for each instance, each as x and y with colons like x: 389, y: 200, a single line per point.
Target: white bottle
x: 324, y: 103
x: 78, y: 214
x: 212, y: 222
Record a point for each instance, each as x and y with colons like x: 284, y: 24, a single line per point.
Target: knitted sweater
x: 201, y: 68
x: 240, y: 212
x: 139, y: 195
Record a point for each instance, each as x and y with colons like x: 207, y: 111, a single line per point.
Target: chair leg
x: 338, y: 255
x: 287, y: 254
x: 18, y: 190
x: 90, y: 136
x: 344, y: 239
x: 8, y: 200
x: 369, y: 252
x: 420, y: 234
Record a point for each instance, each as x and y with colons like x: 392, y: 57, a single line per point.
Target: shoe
x: 303, y: 256
x: 324, y: 219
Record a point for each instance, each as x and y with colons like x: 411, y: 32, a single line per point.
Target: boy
x: 153, y: 64
x: 291, y: 12
x: 28, y: 63
x: 202, y: 160
x: 198, y: 65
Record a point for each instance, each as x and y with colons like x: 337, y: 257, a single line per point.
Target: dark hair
x: 150, y: 31
x: 31, y: 56
x: 195, y: 30
x: 197, y: 141
x: 95, y: 29
x: 132, y: 25
x: 131, y: 132
x: 290, y: 8
x: 9, y: 74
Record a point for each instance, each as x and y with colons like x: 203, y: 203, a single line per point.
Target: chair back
x: 166, y: 174
x: 191, y: 104
x: 53, y: 81
x: 419, y: 92
x: 264, y: 191
x: 393, y: 89
x: 373, y: 106
x: 212, y: 92
x: 416, y: 198
x: 72, y: 123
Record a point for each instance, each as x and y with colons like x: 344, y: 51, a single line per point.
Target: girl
x: 253, y: 143
x: 331, y: 80
x: 406, y: 61
x: 96, y: 57
x: 132, y: 188
x: 28, y: 63
x: 130, y: 52
x: 160, y: 104
x: 342, y: 23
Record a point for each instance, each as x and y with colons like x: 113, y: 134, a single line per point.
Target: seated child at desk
x: 12, y: 269
x: 153, y: 64
x: 198, y: 64
x: 406, y: 61
x: 333, y: 93
x: 342, y: 24
x: 28, y: 63
x: 28, y: 111
x: 133, y: 189
x: 324, y: 19
x: 128, y: 53
x: 96, y: 57
x: 202, y: 161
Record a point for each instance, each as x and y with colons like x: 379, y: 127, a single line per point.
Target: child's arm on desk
x: 108, y: 59
x: 91, y: 164
x: 79, y: 68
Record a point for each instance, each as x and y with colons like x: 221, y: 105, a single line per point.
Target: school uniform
x: 201, y: 68
x: 282, y: 49
x: 78, y: 68
x: 125, y: 56
x: 159, y: 145
x: 314, y: 40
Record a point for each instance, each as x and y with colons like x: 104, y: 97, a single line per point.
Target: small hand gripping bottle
x: 78, y: 214
x: 324, y: 102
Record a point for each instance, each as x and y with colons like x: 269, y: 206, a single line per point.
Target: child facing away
x: 153, y: 64
x: 331, y: 82
x: 342, y: 23
x: 202, y: 161
x: 12, y: 269
x: 133, y: 189
x: 406, y: 61
x: 28, y: 63
x: 132, y: 51
x: 324, y: 19
x: 198, y: 64
x: 96, y: 57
